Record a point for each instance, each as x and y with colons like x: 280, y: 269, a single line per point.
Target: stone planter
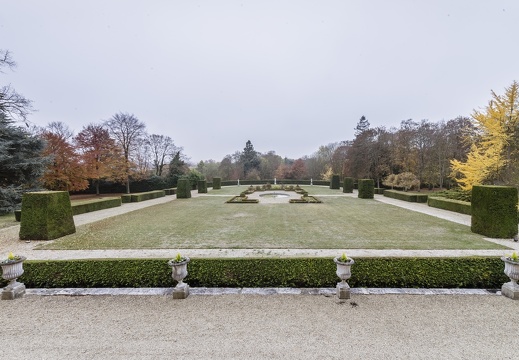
x: 344, y: 273
x: 511, y: 289
x: 179, y: 272
x: 11, y: 271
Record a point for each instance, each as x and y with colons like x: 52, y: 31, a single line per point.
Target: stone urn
x: 511, y: 289
x: 12, y: 270
x: 344, y: 273
x: 179, y: 272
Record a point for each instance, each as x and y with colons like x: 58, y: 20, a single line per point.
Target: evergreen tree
x: 21, y: 163
x: 250, y: 159
x: 362, y: 126
x: 177, y: 168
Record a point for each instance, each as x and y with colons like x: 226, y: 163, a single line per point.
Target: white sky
x: 287, y: 75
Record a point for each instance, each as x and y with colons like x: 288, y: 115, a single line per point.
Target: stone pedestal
x: 13, y: 291
x: 343, y: 290
x: 510, y: 290
x: 181, y: 291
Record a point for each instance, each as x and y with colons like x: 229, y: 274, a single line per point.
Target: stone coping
x: 203, y: 291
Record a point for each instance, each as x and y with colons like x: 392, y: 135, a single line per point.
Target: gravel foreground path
x: 260, y: 327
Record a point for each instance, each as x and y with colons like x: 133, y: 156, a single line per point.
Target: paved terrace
x: 9, y: 240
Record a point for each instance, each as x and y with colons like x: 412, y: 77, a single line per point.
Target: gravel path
x: 260, y: 327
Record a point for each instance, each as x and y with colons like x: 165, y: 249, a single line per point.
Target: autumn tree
x: 100, y: 156
x: 494, y: 154
x: 127, y: 131
x: 65, y: 171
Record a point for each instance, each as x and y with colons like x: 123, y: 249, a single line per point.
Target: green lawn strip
x: 207, y: 222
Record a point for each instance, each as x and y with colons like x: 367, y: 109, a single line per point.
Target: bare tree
x: 162, y: 151
x: 12, y: 104
x: 127, y: 130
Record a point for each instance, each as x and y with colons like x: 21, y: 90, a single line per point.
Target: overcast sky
x: 287, y: 75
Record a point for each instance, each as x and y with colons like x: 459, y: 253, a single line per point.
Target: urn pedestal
x: 511, y: 289
x: 179, y: 272
x: 10, y: 272
x: 344, y: 273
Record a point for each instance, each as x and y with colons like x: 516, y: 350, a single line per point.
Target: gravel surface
x: 260, y: 327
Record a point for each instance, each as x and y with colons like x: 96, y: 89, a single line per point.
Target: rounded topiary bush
x: 366, y: 189
x: 494, y: 211
x: 335, y: 182
x: 183, y: 189
x: 347, y: 186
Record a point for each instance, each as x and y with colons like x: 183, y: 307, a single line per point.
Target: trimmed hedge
x: 138, y: 197
x: 379, y: 191
x: 217, y: 183
x: 406, y: 196
x: 183, y: 189
x: 47, y: 215
x: 271, y: 181
x: 242, y: 199
x: 494, y: 211
x: 126, y: 198
x: 335, y: 182
x: 366, y: 189
x: 95, y: 205
x: 171, y: 191
x: 458, y: 206
x: 466, y: 272
x: 202, y: 187
x: 347, y: 185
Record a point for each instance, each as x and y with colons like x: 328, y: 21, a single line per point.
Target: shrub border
x: 405, y: 196
x: 461, y: 272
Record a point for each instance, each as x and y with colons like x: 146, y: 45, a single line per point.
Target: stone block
x: 181, y: 291
x: 343, y: 291
x: 12, y: 292
x: 510, y: 290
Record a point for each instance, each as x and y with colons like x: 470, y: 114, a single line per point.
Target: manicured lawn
x: 339, y: 222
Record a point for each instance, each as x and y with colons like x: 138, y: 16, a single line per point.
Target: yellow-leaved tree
x: 494, y: 155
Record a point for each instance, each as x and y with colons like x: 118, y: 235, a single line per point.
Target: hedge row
x: 458, y: 206
x: 171, y: 191
x: 405, y: 196
x: 95, y: 205
x: 294, y: 272
x: 271, y: 181
x: 147, y: 195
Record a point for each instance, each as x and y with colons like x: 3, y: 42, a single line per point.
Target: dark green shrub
x: 335, y: 182
x: 47, y: 215
x: 183, y: 189
x: 202, y: 186
x: 217, y: 183
x: 465, y: 272
x: 347, y: 185
x: 18, y: 215
x: 95, y: 205
x: 379, y: 191
x: 126, y: 198
x: 406, y: 196
x: 494, y: 211
x: 458, y: 206
x: 366, y: 189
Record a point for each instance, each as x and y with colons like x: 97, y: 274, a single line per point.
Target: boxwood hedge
x: 406, y: 196
x: 458, y: 206
x: 466, y: 272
